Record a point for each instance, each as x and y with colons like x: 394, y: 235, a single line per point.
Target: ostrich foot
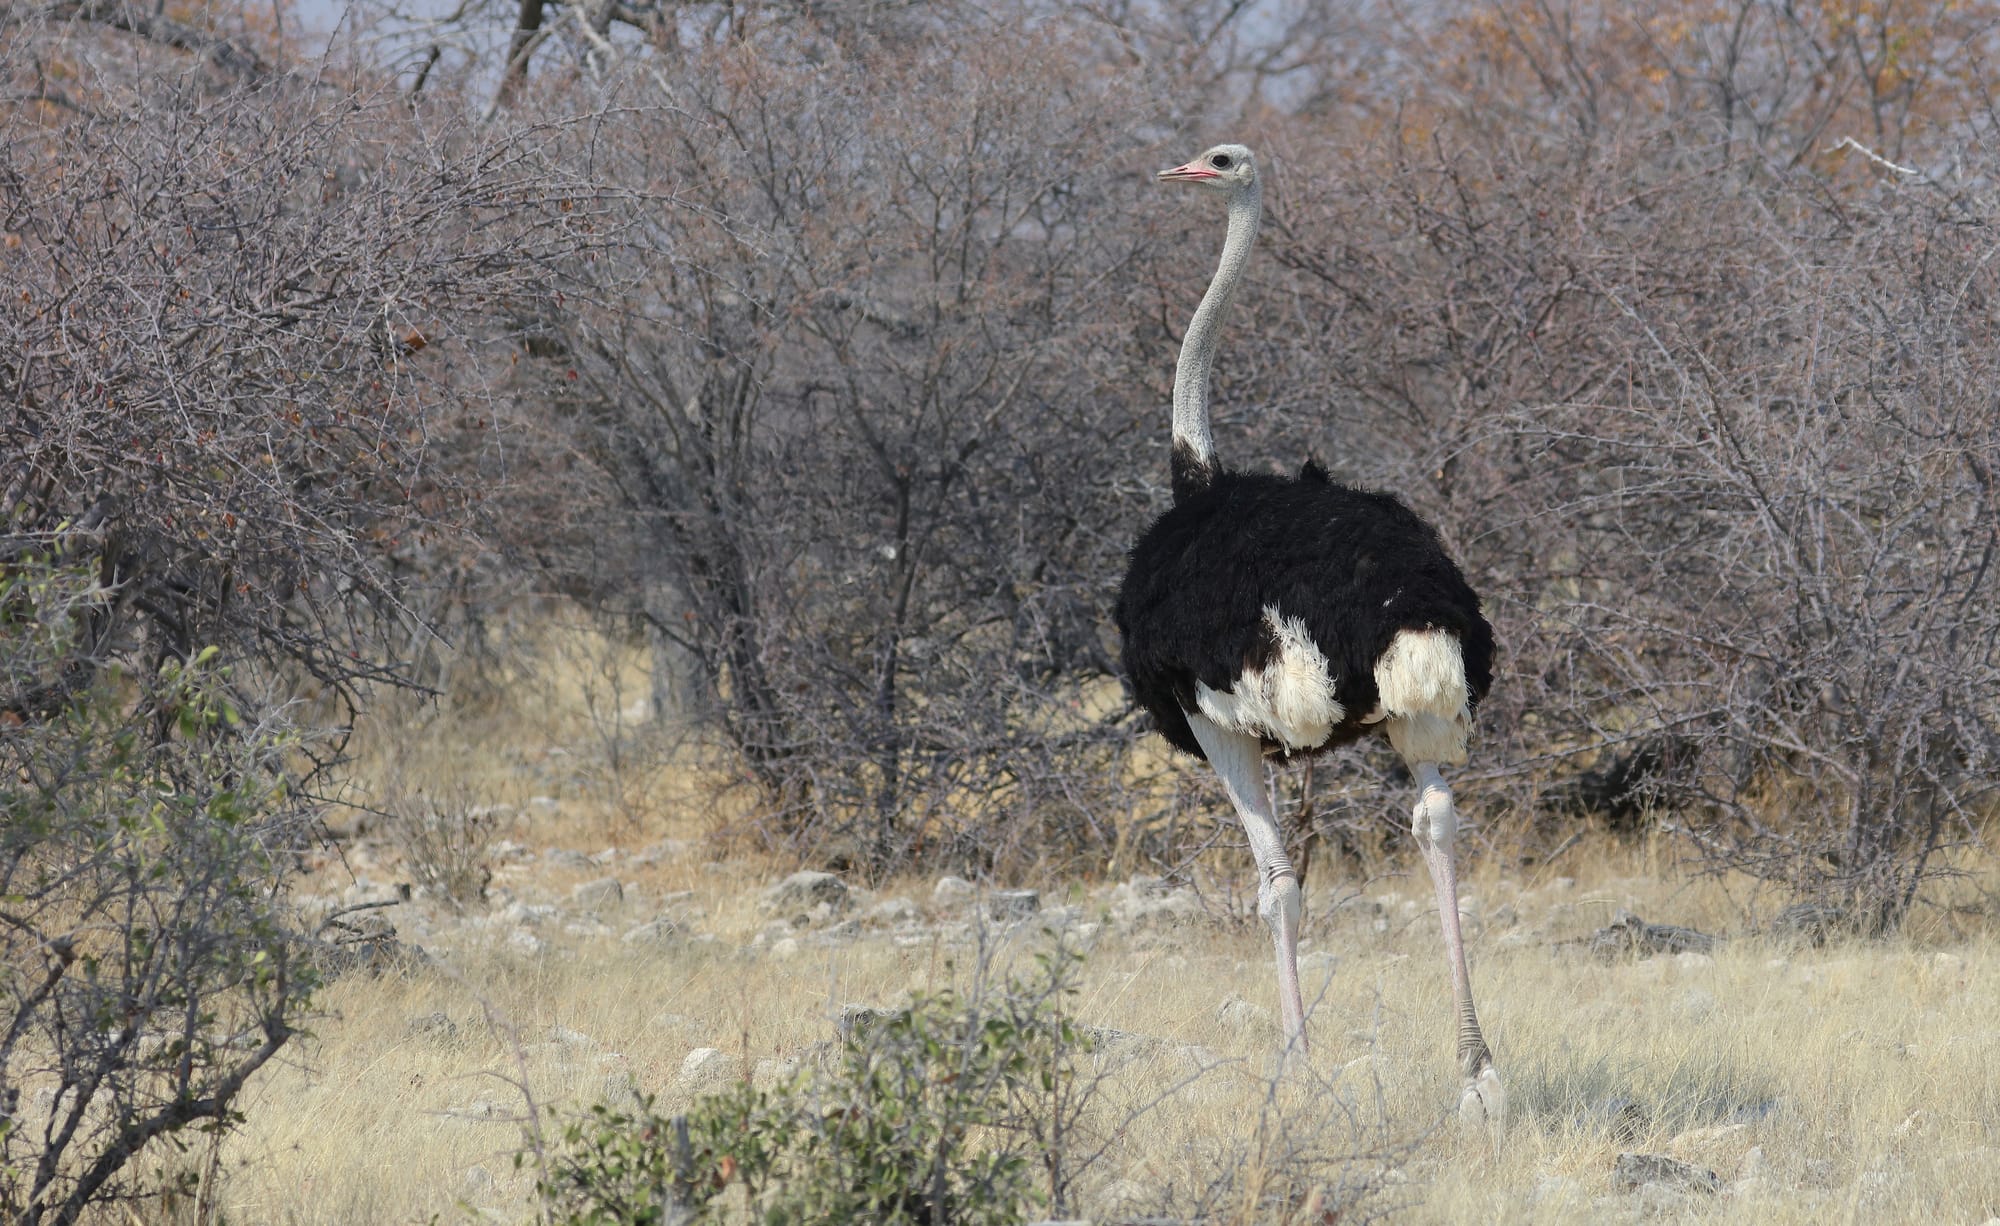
x: 1483, y: 1102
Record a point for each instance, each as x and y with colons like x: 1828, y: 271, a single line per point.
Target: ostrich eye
x: 1220, y: 161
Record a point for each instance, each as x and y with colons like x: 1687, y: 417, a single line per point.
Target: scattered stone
x: 1060, y: 919
x: 805, y: 891
x: 1628, y: 934
x: 543, y: 804
x: 1950, y: 965
x: 1013, y: 904
x: 524, y: 942
x: 1148, y: 902
x: 1634, y: 1171
x: 608, y: 856
x: 679, y: 1023
x: 476, y: 1180
x: 1235, y: 1013
x: 773, y: 1072
x: 1811, y: 922
x: 707, y: 1069
x: 1120, y: 1045
x: 953, y: 892
x: 566, y: 1037
x: 892, y: 911
x: 526, y: 915
x: 599, y: 895
x: 563, y: 857
x: 785, y: 948
x: 1689, y: 960
x: 857, y: 1023
x: 367, y: 943
x: 652, y: 932
x: 436, y: 1027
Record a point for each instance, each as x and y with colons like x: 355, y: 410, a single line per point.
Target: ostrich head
x: 1229, y: 168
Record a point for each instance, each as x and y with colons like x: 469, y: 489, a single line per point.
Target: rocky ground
x: 1711, y: 1069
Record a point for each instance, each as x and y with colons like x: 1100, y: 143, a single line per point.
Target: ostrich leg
x: 1239, y: 760
x: 1435, y: 823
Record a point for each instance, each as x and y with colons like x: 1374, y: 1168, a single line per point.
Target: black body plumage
x: 1354, y: 566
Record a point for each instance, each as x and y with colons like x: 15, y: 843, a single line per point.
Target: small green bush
x: 148, y: 959
x: 950, y: 1110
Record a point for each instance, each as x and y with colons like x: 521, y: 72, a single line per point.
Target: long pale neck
x: 1194, y: 465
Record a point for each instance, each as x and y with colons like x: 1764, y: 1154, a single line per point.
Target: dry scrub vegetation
x: 1853, y: 1081
x: 434, y: 453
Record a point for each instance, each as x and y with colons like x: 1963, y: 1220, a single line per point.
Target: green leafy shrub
x: 148, y: 965
x: 954, y: 1109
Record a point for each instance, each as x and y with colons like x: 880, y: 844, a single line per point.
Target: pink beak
x: 1192, y: 172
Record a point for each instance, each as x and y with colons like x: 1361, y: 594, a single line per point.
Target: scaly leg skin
x: 1482, y: 1099
x: 1239, y: 761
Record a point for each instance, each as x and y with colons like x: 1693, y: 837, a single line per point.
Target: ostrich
x: 1289, y: 614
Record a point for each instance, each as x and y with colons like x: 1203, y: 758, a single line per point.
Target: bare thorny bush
x: 1691, y: 383
x: 247, y: 313
x: 1703, y: 392
x: 842, y: 433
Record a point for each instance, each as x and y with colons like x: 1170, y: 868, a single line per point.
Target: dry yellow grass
x: 1856, y: 1083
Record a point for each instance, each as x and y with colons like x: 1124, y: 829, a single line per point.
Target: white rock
x: 893, y: 911
x: 806, y: 890
x: 599, y: 895
x: 524, y: 942
x: 953, y: 892
x: 1235, y: 1013
x: 707, y: 1069
x: 772, y: 1072
x: 1013, y: 904
x: 785, y: 948
x: 652, y: 932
